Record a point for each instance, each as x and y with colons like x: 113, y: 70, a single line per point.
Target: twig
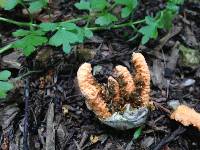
x: 163, y: 108
x: 27, y: 74
x: 26, y: 99
x: 76, y: 143
x: 74, y: 96
x: 5, y: 48
x: 84, y: 138
x: 174, y: 31
x: 170, y: 137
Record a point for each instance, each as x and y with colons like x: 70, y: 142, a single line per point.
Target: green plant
x: 37, y: 5
x: 163, y: 20
x: 28, y: 40
x: 5, y: 85
x: 99, y: 16
x: 34, y: 6
x: 137, y: 133
x: 129, y: 6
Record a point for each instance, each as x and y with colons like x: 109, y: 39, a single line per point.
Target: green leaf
x: 129, y: 3
x: 149, y: 20
x: 134, y: 3
x: 64, y: 38
x: 9, y: 4
x: 67, y: 34
x: 47, y: 26
x: 99, y: 4
x: 165, y: 19
x: 2, y: 94
x: 106, y: 19
x: 67, y: 48
x: 149, y: 31
x: 80, y: 35
x: 83, y: 5
x: 4, y: 75
x: 122, y: 2
x: 145, y: 39
x: 172, y: 7
x: 130, y: 6
x: 125, y: 12
x: 69, y: 26
x: 2, y: 3
x: 21, y: 32
x: 30, y: 40
x: 178, y: 2
x: 137, y: 133
x: 5, y: 86
x: 37, y: 6
x: 88, y: 33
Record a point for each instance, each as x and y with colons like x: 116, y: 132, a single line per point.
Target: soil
x: 55, y: 86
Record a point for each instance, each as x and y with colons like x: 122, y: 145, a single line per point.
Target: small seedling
x: 137, y: 133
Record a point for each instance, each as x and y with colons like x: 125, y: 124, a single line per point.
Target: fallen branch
x: 172, y: 136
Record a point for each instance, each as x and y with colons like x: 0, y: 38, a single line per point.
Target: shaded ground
x: 75, y: 126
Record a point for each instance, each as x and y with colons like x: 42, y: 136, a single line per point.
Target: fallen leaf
x: 94, y: 139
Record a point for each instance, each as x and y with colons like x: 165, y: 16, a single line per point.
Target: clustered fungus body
x: 121, y: 103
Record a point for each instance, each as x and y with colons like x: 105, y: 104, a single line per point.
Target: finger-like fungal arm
x: 142, y: 75
x: 92, y: 91
x: 113, y: 86
x: 125, y: 76
x: 187, y: 116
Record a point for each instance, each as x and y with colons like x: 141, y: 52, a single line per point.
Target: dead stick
x: 170, y: 137
x: 26, y: 99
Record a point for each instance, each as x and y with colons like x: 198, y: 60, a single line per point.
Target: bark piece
x: 50, y: 139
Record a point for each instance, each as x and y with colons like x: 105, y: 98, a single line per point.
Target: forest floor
x: 174, y: 79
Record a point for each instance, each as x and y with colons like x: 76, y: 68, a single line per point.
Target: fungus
x: 92, y: 91
x: 187, y: 116
x: 121, y: 103
x: 142, y: 76
x: 114, y: 90
x: 122, y: 73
